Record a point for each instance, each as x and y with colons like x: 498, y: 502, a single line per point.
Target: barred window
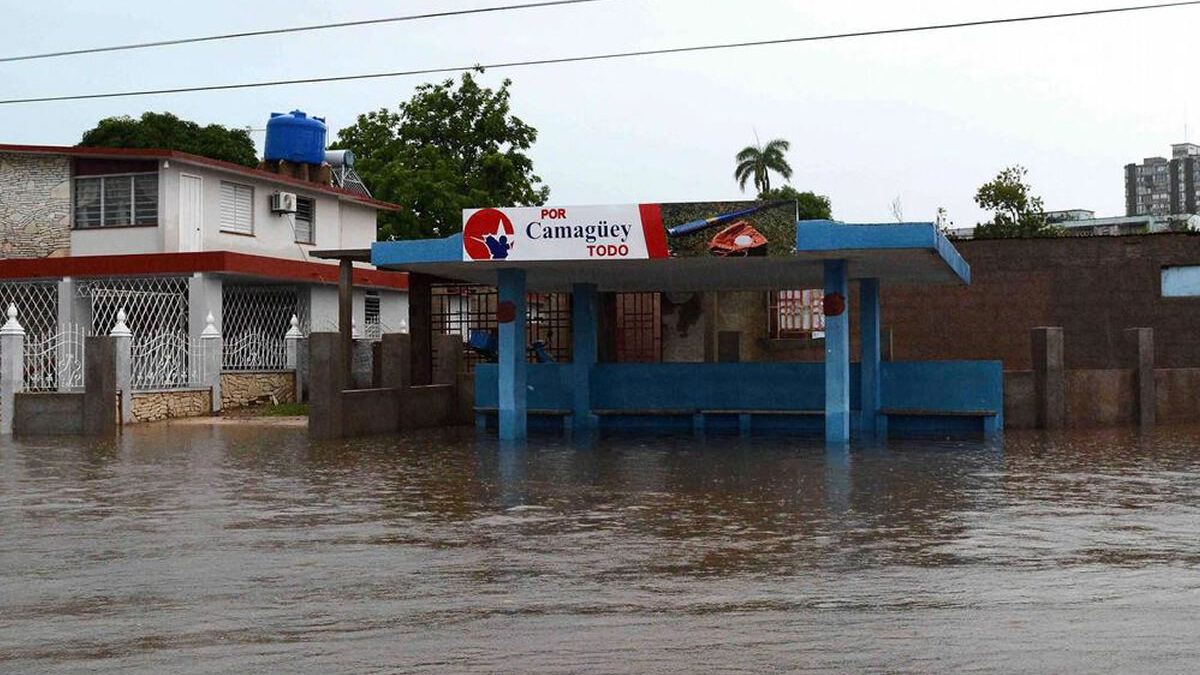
x: 797, y: 314
x: 237, y: 208
x: 116, y: 201
x: 306, y: 230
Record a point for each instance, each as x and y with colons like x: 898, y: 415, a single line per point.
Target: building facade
x: 179, y: 244
x: 1160, y: 187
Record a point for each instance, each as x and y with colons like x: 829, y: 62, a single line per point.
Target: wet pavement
x: 242, y: 548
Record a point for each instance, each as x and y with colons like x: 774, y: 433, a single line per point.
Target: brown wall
x: 1093, y: 287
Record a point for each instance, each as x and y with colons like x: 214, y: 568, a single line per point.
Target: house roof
x: 197, y: 160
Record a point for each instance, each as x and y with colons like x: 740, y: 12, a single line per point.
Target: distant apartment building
x: 1160, y: 186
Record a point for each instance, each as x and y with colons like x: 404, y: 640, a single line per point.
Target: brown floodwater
x: 235, y: 549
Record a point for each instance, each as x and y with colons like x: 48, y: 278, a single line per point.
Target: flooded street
x: 232, y: 549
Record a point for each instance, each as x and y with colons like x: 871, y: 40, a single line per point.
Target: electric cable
x: 293, y: 29
x: 598, y: 57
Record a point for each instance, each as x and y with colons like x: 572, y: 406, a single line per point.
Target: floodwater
x: 234, y: 549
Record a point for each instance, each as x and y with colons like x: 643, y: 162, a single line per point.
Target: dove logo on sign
x: 488, y: 235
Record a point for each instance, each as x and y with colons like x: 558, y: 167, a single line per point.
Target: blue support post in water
x: 837, y: 357
x: 583, y: 354
x: 513, y: 366
x: 873, y: 425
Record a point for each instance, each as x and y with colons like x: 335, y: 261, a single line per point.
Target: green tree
x: 810, y: 206
x: 448, y: 148
x: 758, y: 161
x: 164, y: 131
x: 1016, y: 212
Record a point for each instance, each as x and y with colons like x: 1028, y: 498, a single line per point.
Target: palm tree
x: 758, y: 161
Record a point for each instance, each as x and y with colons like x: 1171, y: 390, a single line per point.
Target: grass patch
x: 287, y: 410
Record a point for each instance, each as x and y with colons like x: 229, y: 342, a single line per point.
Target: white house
x: 172, y: 237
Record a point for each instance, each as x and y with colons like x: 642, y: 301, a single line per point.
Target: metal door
x: 191, y: 211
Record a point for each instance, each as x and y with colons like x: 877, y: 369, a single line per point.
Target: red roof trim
x: 186, y: 263
x: 188, y: 158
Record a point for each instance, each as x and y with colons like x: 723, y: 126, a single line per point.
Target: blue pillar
x: 873, y: 425
x: 583, y: 354
x: 513, y: 362
x: 837, y: 358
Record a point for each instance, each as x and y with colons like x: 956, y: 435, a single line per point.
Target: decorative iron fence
x: 55, y: 362
x: 167, y: 361
x: 255, y: 351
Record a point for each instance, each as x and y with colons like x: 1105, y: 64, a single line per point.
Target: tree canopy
x: 446, y: 149
x: 811, y: 206
x: 1017, y: 212
x: 164, y: 131
x: 758, y: 161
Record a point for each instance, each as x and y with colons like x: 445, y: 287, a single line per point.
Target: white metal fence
x: 55, y: 362
x: 162, y: 355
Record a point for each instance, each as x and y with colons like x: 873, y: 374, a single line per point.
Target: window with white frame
x: 306, y: 230
x: 237, y: 208
x: 796, y: 314
x: 121, y: 200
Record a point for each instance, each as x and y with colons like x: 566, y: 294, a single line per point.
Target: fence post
x: 12, y: 368
x: 210, y: 360
x: 124, y: 349
x: 292, y: 342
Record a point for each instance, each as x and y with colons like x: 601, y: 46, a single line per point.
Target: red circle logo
x: 488, y: 235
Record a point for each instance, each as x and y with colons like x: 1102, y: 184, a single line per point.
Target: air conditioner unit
x: 283, y: 202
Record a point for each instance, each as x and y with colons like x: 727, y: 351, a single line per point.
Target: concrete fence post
x: 1145, y: 396
x: 12, y: 368
x: 292, y: 339
x: 1049, y: 377
x: 210, y: 355
x: 123, y: 337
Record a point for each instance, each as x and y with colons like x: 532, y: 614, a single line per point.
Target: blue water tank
x: 295, y: 137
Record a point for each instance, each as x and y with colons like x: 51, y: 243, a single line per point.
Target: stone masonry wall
x: 239, y: 390
x: 151, y: 406
x: 35, y: 206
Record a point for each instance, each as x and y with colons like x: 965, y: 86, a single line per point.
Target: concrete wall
x: 48, y: 414
x: 35, y: 206
x: 240, y: 389
x: 152, y: 406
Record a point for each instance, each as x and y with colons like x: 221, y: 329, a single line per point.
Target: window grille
x: 305, y: 216
x: 237, y: 208
x: 461, y: 309
x: 639, y: 327
x: 254, y: 321
x: 116, y: 201
x: 373, y: 327
x: 156, y: 311
x: 796, y: 314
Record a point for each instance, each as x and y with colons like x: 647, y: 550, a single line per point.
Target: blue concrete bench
x: 745, y: 416
x: 988, y: 419
x: 482, y: 413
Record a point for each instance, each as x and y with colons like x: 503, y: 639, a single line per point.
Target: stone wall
x: 240, y: 389
x: 35, y: 206
x: 151, y: 406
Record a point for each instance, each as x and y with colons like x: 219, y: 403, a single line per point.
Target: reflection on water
x: 226, y: 549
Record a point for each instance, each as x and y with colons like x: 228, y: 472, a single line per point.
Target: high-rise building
x: 1160, y: 186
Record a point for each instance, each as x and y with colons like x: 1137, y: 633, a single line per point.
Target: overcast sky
x: 927, y: 117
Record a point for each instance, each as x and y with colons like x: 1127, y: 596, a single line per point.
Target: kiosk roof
x: 906, y: 253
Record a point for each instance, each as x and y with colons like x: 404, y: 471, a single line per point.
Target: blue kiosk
x: 580, y: 252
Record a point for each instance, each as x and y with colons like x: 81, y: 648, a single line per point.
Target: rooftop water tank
x: 295, y: 137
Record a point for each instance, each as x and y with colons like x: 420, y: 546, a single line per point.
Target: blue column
x: 513, y: 362
x: 872, y: 423
x: 837, y: 358
x: 583, y: 354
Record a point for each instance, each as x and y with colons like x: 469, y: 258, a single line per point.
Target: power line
x: 294, y: 29
x: 598, y: 57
